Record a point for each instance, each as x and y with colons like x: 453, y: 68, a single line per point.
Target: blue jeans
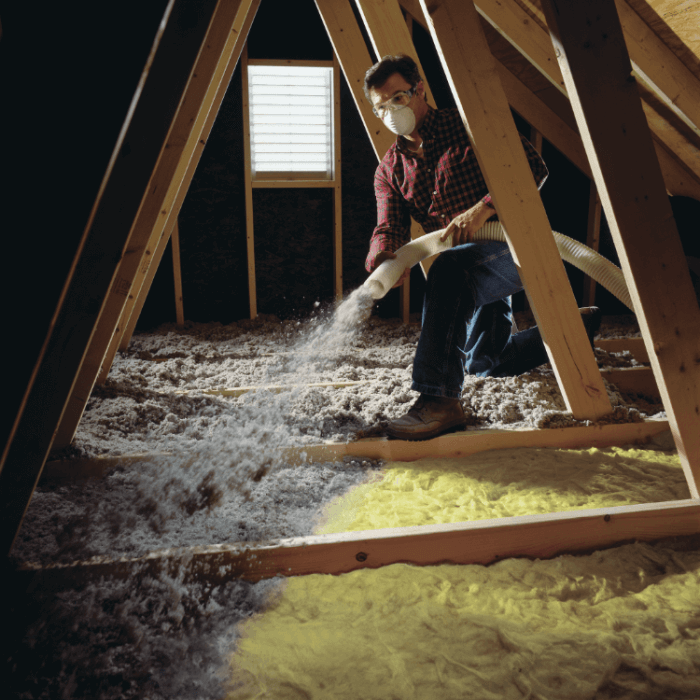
x: 467, y: 320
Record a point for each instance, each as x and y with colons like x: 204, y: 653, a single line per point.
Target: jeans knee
x: 445, y: 264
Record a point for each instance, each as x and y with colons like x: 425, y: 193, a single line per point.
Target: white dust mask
x: 401, y: 121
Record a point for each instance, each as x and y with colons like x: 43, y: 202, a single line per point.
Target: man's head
x: 396, y: 91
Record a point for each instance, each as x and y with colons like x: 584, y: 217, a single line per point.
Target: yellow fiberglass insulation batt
x: 619, y: 623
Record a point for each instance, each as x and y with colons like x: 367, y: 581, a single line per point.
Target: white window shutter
x: 291, y: 121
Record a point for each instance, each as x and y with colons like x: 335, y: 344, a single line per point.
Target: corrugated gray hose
x: 584, y: 258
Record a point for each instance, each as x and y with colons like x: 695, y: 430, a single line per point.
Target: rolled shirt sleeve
x: 393, y: 219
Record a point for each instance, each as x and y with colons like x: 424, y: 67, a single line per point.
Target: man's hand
x: 465, y: 225
x: 386, y: 255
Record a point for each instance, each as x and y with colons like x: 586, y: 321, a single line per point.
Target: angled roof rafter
x: 533, y: 42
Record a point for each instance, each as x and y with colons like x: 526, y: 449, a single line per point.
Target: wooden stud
x: 592, y: 240
x: 676, y: 22
x: 248, y: 177
x: 596, y: 67
x: 472, y: 74
x: 137, y: 154
x: 177, y: 274
x: 337, y: 189
x: 480, y: 542
x: 155, y: 249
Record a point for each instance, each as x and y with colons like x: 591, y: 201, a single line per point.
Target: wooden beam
x: 654, y: 64
x: 121, y: 340
x: 676, y: 22
x: 634, y: 345
x: 118, y: 202
x: 273, y: 388
x: 130, y: 315
x: 454, y: 445
x: 478, y: 542
x: 183, y: 144
x: 659, y: 69
x: 596, y: 67
x: 637, y: 380
x: 389, y: 34
x: 132, y: 310
x: 513, y: 23
x: 561, y: 132
x: 355, y: 59
x: 592, y: 240
x: 248, y: 183
x: 337, y: 190
x: 472, y: 74
x: 177, y: 274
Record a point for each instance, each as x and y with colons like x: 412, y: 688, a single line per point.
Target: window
x: 291, y: 122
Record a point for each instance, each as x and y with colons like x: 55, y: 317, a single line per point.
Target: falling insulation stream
x: 581, y: 256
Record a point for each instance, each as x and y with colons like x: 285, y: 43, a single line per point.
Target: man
x: 431, y: 173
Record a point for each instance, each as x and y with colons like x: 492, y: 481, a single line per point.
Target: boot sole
x: 418, y: 437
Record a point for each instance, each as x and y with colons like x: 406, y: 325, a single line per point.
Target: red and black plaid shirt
x: 433, y: 189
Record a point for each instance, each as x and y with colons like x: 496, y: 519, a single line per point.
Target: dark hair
x: 381, y: 71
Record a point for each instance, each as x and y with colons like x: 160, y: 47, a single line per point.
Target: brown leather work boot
x: 429, y: 417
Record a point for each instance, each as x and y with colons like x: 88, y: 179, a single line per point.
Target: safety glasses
x: 399, y: 100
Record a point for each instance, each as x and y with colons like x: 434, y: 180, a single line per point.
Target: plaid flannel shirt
x: 433, y: 189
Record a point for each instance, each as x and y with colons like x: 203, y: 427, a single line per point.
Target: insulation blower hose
x: 581, y: 256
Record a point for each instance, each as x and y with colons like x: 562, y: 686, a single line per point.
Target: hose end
x: 376, y: 288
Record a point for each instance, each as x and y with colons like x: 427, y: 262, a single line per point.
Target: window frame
x: 294, y: 178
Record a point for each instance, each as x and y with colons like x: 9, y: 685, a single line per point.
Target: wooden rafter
x: 472, y: 74
x: 529, y: 37
x: 137, y: 300
x: 596, y: 68
x: 121, y: 339
x: 159, y: 209
x: 559, y: 128
x: 97, y: 270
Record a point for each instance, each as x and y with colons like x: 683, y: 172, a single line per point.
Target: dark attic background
x: 68, y: 73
